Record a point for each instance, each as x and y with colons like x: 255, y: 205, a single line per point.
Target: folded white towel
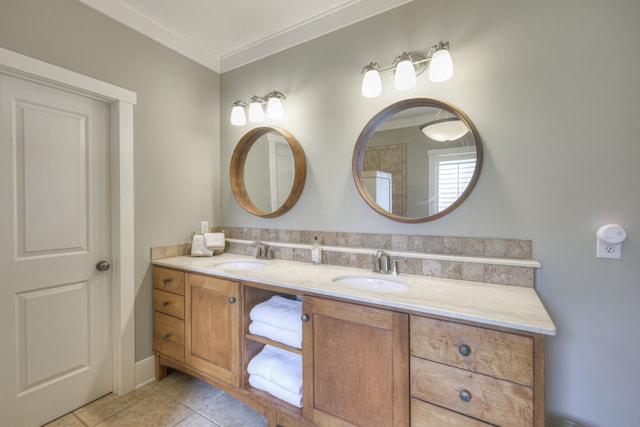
x: 198, y: 247
x: 280, y: 367
x: 283, y: 313
x: 294, y: 339
x: 215, y: 241
x: 279, y: 392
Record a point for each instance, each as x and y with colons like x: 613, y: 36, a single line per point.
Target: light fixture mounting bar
x: 419, y: 63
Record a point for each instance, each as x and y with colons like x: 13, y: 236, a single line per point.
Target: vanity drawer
x: 168, y: 280
x: 489, y: 399
x: 168, y: 303
x: 426, y: 414
x: 168, y: 336
x: 499, y: 354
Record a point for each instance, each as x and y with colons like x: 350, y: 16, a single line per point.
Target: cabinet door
x: 212, y: 327
x: 356, y: 365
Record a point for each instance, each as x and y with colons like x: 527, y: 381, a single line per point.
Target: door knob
x: 103, y: 265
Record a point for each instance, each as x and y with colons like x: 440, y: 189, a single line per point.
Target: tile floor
x: 178, y: 400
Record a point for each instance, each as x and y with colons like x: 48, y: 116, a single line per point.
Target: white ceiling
x: 226, y: 34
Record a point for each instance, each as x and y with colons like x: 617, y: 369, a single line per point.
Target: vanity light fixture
x: 238, y: 116
x: 256, y: 113
x: 256, y: 109
x: 274, y: 104
x: 407, y: 67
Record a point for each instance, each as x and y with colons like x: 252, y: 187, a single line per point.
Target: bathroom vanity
x: 441, y: 352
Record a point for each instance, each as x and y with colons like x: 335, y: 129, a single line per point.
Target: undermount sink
x: 241, y: 265
x: 371, y: 283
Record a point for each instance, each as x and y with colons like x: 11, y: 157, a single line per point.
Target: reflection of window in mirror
x: 450, y: 170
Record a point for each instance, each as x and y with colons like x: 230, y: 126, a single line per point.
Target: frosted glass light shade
x: 256, y: 113
x: 405, y: 77
x: 238, y: 117
x: 274, y: 108
x: 371, y: 83
x: 441, y: 67
x: 445, y: 130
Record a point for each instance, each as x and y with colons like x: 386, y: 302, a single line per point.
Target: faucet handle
x: 394, y: 266
x: 376, y: 263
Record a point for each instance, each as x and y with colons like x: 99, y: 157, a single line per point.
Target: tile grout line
x: 198, y: 411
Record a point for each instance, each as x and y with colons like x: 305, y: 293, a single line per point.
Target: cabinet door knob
x: 464, y: 350
x: 304, y: 317
x: 165, y: 303
x: 465, y: 396
x: 165, y: 336
x: 232, y: 300
x: 166, y: 281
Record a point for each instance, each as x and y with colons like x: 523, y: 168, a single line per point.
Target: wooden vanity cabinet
x: 212, y: 327
x: 362, y: 365
x: 355, y: 364
x: 467, y: 375
x: 168, y: 313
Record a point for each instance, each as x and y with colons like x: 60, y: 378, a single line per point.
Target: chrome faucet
x: 384, y: 264
x: 263, y: 250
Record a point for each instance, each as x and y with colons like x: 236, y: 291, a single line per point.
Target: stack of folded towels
x: 279, y: 320
x: 274, y: 370
x: 279, y: 373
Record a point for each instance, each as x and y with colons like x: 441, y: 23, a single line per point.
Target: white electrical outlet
x: 608, y: 251
x: 204, y: 227
x: 609, y: 240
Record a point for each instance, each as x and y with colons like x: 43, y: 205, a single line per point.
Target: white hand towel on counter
x: 214, y: 241
x: 280, y: 367
x: 291, y: 398
x: 293, y: 339
x: 283, y: 313
x: 198, y: 247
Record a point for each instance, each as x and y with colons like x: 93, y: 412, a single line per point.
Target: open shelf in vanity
x: 252, y: 295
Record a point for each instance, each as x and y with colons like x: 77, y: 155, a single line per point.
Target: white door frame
x: 121, y: 170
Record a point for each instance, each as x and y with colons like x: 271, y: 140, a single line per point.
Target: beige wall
x: 553, y: 89
x: 176, y: 121
x: 551, y: 86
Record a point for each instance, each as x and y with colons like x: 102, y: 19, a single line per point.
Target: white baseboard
x: 145, y: 371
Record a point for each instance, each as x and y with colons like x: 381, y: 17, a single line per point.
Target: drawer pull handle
x: 166, y: 281
x: 464, y: 350
x: 165, y: 336
x: 165, y: 303
x: 232, y: 300
x: 465, y: 396
x: 304, y: 317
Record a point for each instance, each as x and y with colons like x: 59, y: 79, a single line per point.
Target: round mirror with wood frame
x: 408, y: 173
x: 268, y: 162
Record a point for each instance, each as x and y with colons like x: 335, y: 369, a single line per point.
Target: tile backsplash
x: 499, y: 261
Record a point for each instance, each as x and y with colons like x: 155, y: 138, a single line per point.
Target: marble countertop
x: 500, y: 305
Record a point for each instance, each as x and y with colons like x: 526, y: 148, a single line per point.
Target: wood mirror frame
x: 377, y: 120
x: 237, y: 169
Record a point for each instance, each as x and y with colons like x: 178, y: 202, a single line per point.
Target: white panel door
x: 55, y: 307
